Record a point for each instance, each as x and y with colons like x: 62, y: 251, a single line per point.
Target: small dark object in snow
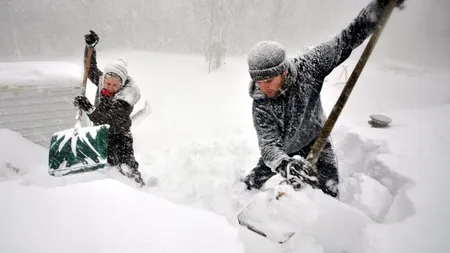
x: 379, y: 121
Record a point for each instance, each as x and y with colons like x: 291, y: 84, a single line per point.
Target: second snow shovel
x: 79, y: 149
x: 257, y: 224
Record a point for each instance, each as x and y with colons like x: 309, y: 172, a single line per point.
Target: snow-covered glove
x: 400, y: 3
x: 91, y: 39
x: 83, y: 103
x: 297, y: 170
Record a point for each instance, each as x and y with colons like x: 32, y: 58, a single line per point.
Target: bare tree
x: 216, y: 14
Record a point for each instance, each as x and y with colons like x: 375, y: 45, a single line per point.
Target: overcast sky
x: 47, y: 28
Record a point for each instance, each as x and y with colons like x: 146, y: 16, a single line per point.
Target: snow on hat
x: 118, y: 68
x: 266, y: 60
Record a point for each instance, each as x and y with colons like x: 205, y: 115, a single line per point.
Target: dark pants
x: 120, y: 151
x: 326, y: 165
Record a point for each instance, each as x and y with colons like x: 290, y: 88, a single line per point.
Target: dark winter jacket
x: 294, y: 118
x: 115, y: 110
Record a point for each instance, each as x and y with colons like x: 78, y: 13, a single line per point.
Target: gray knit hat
x: 266, y: 60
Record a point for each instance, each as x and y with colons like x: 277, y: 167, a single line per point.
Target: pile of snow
x: 324, y: 222
x: 23, y: 160
x: 111, y: 217
x: 19, y: 156
x: 94, y: 215
x: 367, y: 195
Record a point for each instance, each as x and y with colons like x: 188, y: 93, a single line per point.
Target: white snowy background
x: 199, y: 140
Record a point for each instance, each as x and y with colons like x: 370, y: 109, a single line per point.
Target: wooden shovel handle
x: 83, y: 84
x: 318, y: 145
x: 86, y: 69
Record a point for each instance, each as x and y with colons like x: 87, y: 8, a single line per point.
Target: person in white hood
x: 116, y: 96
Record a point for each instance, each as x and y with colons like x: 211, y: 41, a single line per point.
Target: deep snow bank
x: 83, y: 214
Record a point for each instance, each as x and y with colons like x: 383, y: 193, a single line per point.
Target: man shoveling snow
x: 287, y: 111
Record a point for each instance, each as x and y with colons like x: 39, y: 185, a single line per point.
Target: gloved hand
x: 91, y: 39
x: 297, y: 170
x: 400, y: 3
x: 83, y: 103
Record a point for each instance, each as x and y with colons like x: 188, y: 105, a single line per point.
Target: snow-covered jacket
x: 287, y: 123
x: 114, y: 110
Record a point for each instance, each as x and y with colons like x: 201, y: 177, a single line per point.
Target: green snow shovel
x: 79, y: 149
x: 252, y: 217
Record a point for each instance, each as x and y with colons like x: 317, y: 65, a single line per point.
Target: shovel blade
x: 264, y: 215
x: 78, y: 150
x: 280, y: 212
x: 263, y: 230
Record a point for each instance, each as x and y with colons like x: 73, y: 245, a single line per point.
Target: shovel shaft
x: 83, y: 84
x: 319, y: 144
x: 86, y: 69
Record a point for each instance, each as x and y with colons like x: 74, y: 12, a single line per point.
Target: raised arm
x: 94, y: 73
x: 322, y: 59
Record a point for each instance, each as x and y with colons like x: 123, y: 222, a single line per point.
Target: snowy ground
x: 199, y: 140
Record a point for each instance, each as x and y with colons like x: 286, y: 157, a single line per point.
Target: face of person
x: 271, y: 87
x: 112, y: 84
